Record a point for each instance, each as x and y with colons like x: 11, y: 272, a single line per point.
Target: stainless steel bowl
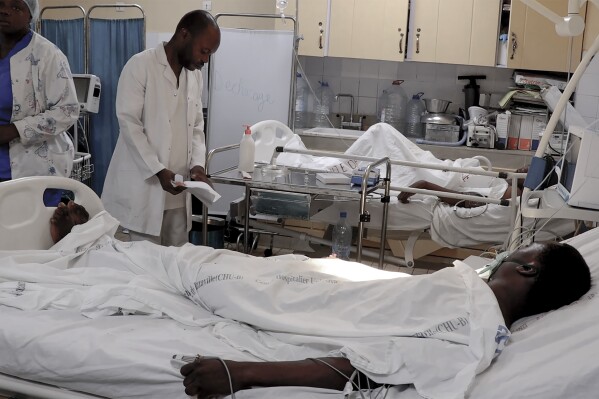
x: 434, y: 105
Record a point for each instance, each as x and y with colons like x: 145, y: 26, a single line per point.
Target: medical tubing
x: 444, y: 143
x: 349, y: 379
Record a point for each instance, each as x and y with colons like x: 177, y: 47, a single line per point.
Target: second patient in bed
x: 65, y: 217
x: 532, y: 280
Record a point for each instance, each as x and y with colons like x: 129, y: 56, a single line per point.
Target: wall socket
x: 207, y: 5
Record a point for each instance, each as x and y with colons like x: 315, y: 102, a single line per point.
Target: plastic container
x: 414, y: 112
x: 216, y: 232
x: 302, y: 95
x: 342, y: 237
x: 247, y: 150
x: 393, y: 106
x: 322, y: 105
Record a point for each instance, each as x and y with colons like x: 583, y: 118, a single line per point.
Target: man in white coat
x: 159, y: 109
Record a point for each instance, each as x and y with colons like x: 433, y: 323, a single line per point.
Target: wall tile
x: 350, y: 86
x: 388, y: 70
x: 366, y: 106
x: 350, y: 67
x: 332, y: 66
x: 369, y: 69
x: 427, y: 72
x: 368, y: 87
x: 588, y: 84
x: 587, y: 105
x: 314, y: 66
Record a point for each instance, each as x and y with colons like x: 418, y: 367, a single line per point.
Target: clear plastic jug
x: 415, y: 110
x: 393, y: 104
x: 322, y: 105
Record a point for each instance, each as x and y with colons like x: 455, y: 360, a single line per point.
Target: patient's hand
x: 208, y: 378
x: 404, y: 197
x: 65, y: 217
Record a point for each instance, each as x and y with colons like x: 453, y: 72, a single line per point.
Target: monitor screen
x: 569, y: 161
x: 81, y: 87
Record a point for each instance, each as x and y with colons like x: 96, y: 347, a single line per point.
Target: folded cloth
x: 202, y: 191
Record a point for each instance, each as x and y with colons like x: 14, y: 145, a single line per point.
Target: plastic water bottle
x: 301, y: 102
x: 247, y: 151
x: 322, y: 105
x: 415, y: 110
x: 393, y: 106
x: 342, y: 237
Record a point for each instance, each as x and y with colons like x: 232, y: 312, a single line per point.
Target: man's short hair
x: 564, y: 278
x: 196, y: 22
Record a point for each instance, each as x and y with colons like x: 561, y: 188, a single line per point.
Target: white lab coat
x: 132, y: 193
x: 44, y: 106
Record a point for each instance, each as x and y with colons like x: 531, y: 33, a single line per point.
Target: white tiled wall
x: 366, y: 80
x: 587, y: 93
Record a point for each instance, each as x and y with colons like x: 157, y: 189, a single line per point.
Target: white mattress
x: 550, y: 357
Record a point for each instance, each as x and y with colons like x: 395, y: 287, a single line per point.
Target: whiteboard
x: 250, y: 81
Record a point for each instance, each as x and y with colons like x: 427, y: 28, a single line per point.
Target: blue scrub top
x: 6, y: 101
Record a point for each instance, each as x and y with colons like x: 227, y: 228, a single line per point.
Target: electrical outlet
x: 120, y: 9
x: 208, y: 5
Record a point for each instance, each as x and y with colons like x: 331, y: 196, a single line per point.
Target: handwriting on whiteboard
x: 240, y: 87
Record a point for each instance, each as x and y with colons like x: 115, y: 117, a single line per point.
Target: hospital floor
x: 284, y: 247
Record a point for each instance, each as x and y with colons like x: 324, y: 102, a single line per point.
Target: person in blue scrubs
x: 16, y: 35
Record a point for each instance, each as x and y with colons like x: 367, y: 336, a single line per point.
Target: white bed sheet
x: 550, y: 357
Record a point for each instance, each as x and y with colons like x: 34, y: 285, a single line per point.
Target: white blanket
x: 376, y: 319
x: 382, y: 140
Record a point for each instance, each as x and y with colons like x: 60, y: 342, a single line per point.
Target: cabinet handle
x: 514, y: 45
x: 418, y: 41
x: 400, y: 41
x: 320, y: 37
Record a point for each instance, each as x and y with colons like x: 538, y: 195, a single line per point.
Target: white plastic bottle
x: 414, y: 112
x: 342, y: 237
x: 247, y: 150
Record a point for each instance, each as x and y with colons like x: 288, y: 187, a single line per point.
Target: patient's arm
x: 404, y: 197
x: 208, y: 377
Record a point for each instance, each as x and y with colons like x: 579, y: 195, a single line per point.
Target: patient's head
x: 541, y: 277
x: 64, y: 218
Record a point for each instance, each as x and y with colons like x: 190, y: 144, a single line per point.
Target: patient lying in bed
x: 528, y: 282
x: 362, y: 319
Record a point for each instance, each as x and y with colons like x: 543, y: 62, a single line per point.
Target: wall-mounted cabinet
x: 312, y: 18
x: 454, y: 32
x: 368, y: 29
x: 533, y: 42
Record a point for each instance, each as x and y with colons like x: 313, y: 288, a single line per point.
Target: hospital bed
x: 550, y: 356
x: 448, y: 226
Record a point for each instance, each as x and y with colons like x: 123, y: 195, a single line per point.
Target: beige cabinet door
x: 484, y: 38
x: 424, y: 15
x: 533, y: 42
x: 341, y: 28
x: 368, y: 29
x: 454, y: 30
x: 312, y: 20
x: 591, y: 29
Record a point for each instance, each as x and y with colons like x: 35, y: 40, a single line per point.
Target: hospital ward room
x: 299, y: 199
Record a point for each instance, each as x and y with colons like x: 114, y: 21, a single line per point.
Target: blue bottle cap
x: 343, y: 214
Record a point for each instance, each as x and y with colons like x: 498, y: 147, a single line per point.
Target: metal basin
x: 434, y: 105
